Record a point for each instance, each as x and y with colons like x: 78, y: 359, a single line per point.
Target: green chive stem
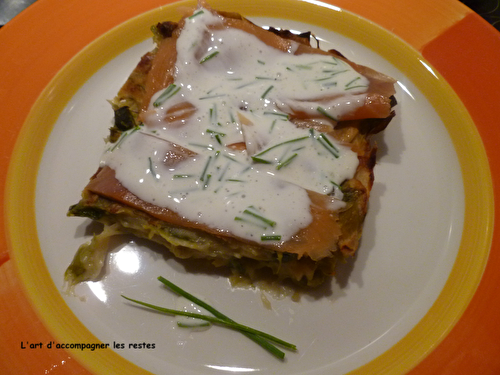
x: 326, y: 114
x: 196, y: 14
x: 256, y: 338
x: 265, y: 237
x: 208, y: 57
x: 286, y: 162
x: 280, y: 144
x: 328, y: 148
x: 151, y: 169
x: 260, y: 160
x: 216, y: 320
x: 267, y: 91
x: 170, y: 91
x: 325, y: 138
x: 202, y: 177
x: 351, y: 82
x: 261, y: 218
x: 125, y: 135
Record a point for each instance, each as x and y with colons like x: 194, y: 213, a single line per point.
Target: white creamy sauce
x: 241, y: 92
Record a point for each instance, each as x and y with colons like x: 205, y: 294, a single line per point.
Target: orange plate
x: 457, y: 42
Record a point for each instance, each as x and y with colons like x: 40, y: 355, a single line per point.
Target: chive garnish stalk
x: 196, y: 14
x: 286, y: 162
x: 224, y: 171
x: 151, y: 169
x: 214, y: 96
x: 123, y: 136
x: 170, y: 91
x: 267, y: 92
x: 351, y: 82
x: 259, y: 217
x: 325, y: 142
x: 283, y: 115
x: 264, y: 339
x: 207, y: 180
x: 325, y: 113
x: 217, y: 135
x: 256, y: 159
x: 208, y: 57
x: 277, y: 145
x: 202, y: 177
x: 273, y: 124
x: 272, y: 237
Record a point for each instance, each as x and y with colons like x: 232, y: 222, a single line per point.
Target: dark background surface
x: 488, y: 9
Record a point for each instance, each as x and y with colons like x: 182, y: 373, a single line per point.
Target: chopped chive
x: 266, y: 78
x: 209, y: 176
x: 267, y: 91
x: 261, y: 218
x: 284, y: 115
x: 351, y: 82
x: 261, y: 62
x: 328, y: 148
x: 213, y: 114
x: 302, y: 66
x: 272, y: 126
x: 270, y: 237
x: 196, y: 14
x: 339, y: 72
x: 286, y: 162
x: 334, y: 184
x: 224, y: 171
x: 325, y: 138
x: 234, y: 180
x: 182, y: 176
x: 260, y: 160
x: 151, y: 169
x: 246, y: 84
x: 334, y: 62
x: 231, y: 117
x: 212, y: 96
x: 125, y: 135
x: 208, y: 57
x: 202, y: 177
x: 326, y: 114
x: 213, y: 132
x: 280, y: 144
x: 230, y: 158
x: 322, y: 79
x: 170, y: 91
x: 330, y: 84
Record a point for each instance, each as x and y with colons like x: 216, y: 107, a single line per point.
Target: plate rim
x: 21, y: 137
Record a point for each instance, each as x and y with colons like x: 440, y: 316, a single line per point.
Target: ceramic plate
x: 426, y: 243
